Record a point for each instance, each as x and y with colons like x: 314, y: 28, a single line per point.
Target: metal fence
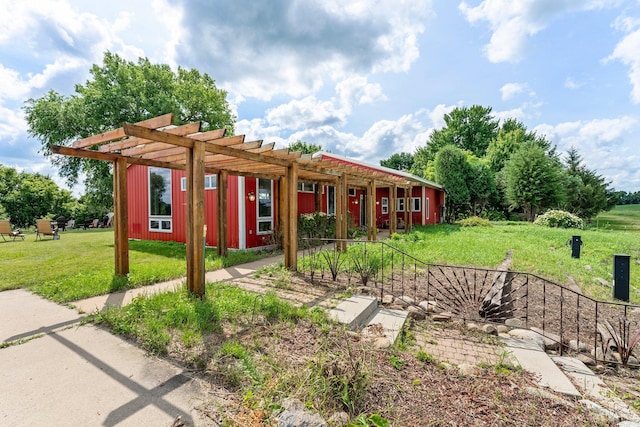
x: 605, y: 331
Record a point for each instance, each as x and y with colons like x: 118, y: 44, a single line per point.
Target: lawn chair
x: 6, y: 230
x: 44, y: 228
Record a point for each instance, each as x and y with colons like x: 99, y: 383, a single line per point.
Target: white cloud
x: 357, y: 90
x: 510, y: 90
x: 627, y: 52
x: 305, y: 113
x: 512, y: 22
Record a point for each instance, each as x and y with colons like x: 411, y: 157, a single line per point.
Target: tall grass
x: 81, y: 264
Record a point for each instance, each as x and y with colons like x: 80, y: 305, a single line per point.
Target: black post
x: 621, y: 277
x: 576, y: 242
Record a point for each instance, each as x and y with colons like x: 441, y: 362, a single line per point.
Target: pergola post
x: 291, y: 250
x: 221, y: 213
x: 409, y: 209
x: 342, y: 216
x: 121, y: 219
x: 195, y: 219
x: 393, y: 213
x: 317, y: 200
x: 283, y: 219
x: 371, y: 210
x: 406, y: 209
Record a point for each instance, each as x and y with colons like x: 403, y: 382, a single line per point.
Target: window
x: 426, y: 207
x: 352, y: 192
x: 385, y: 205
x: 160, y: 200
x: 331, y: 200
x: 210, y: 182
x: 265, y: 206
x: 415, y: 204
x: 303, y: 187
x: 400, y: 204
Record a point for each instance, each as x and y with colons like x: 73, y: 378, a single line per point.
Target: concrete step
x: 355, y: 311
x: 534, y: 360
x: 362, y: 311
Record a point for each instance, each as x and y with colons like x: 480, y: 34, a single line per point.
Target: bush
x: 559, y: 219
x: 474, y: 221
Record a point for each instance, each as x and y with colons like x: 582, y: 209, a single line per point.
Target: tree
x: 481, y: 184
x: 305, y: 147
x: 122, y: 91
x: 401, y: 162
x: 533, y: 180
x: 451, y: 170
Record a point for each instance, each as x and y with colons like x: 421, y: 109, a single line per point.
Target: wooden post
x: 318, y: 197
x: 283, y: 209
x: 406, y: 210
x: 343, y: 205
x: 371, y: 211
x: 291, y: 252
x: 195, y: 219
x: 410, y: 209
x: 121, y: 219
x: 221, y: 213
x: 393, y: 213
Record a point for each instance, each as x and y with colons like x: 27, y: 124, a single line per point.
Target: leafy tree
x: 481, y: 184
x: 398, y: 161
x: 533, y: 179
x: 451, y: 170
x: 305, y: 147
x: 121, y: 91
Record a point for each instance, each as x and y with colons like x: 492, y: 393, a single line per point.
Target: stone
x: 381, y: 343
x: 416, y: 313
x: 589, y: 361
x: 504, y: 335
x: 387, y: 299
x: 573, y: 285
x: 489, y: 329
x: 633, y: 361
x: 502, y: 329
x: 294, y: 415
x: 595, y: 408
x: 472, y: 326
x: 467, y: 369
x: 602, y: 281
x: 514, y: 323
x: 339, y: 419
x: 551, y: 341
x: 577, y: 346
x: 428, y: 306
x: 400, y: 302
x: 442, y: 317
x: 588, y: 267
x: 407, y: 299
x: 525, y: 334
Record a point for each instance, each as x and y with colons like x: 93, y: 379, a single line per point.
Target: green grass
x: 81, y: 264
x: 620, y: 218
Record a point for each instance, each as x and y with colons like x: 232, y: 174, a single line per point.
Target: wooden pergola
x: 157, y: 143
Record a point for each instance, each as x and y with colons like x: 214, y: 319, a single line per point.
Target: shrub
x: 474, y: 221
x: 559, y: 219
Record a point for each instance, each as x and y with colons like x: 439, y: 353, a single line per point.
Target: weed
x: 623, y: 338
x: 335, y: 260
x: 373, y: 420
x: 396, y: 362
x: 425, y: 357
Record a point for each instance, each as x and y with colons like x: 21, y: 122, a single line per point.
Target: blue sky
x: 365, y: 80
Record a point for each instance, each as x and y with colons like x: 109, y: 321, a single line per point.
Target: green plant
x: 624, y: 339
x: 397, y: 362
x: 335, y: 260
x: 373, y: 420
x: 474, y: 221
x: 425, y: 357
x: 559, y: 219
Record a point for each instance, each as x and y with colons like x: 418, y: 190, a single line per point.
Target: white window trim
x: 426, y: 207
x: 301, y: 187
x: 384, y: 203
x: 415, y: 200
x: 264, y: 219
x: 400, y: 204
x: 159, y: 218
x: 183, y: 183
x: 328, y: 201
x: 352, y: 192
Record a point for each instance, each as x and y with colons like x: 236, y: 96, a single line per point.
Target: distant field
x: 621, y: 218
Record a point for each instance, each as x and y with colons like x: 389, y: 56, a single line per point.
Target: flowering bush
x: 475, y: 221
x: 559, y: 219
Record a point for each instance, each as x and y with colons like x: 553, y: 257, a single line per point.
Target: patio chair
x: 44, y: 228
x: 6, y: 230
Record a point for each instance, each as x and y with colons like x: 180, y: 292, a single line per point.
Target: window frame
x: 207, y: 182
x: 352, y: 192
x: 264, y: 219
x: 160, y: 223
x: 400, y: 204
x: 417, y: 200
x: 384, y: 205
x: 303, y: 187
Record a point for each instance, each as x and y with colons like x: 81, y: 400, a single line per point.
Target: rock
x: 472, y: 326
x: 504, y: 335
x: 502, y: 329
x: 602, y: 281
x: 633, y: 361
x: 489, y: 329
x: 396, y: 307
x: 381, y: 343
x: 558, y: 401
x: 402, y: 303
x: 587, y: 267
x: 407, y: 299
x: 467, y: 369
x: 551, y: 341
x: 588, y: 361
x: 577, y: 346
x: 525, y: 334
x: 339, y: 419
x: 416, y: 313
x: 294, y: 415
x: 599, y: 368
x: 428, y: 306
x: 594, y: 407
x: 514, y: 323
x: 573, y: 285
x: 442, y: 317
x: 387, y: 299
x: 600, y: 356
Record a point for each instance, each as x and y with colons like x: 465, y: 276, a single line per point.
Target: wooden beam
x: 95, y: 155
x: 291, y: 259
x: 393, y: 213
x: 121, y: 219
x: 156, y: 122
x: 188, y: 129
x: 406, y: 210
x: 195, y: 220
x: 186, y: 142
x: 371, y: 211
x: 283, y: 210
x: 221, y: 213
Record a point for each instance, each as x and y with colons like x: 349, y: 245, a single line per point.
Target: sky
x: 362, y: 78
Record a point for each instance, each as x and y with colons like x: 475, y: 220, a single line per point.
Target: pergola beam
x: 156, y: 122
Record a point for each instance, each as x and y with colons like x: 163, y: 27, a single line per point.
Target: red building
x: 157, y: 203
